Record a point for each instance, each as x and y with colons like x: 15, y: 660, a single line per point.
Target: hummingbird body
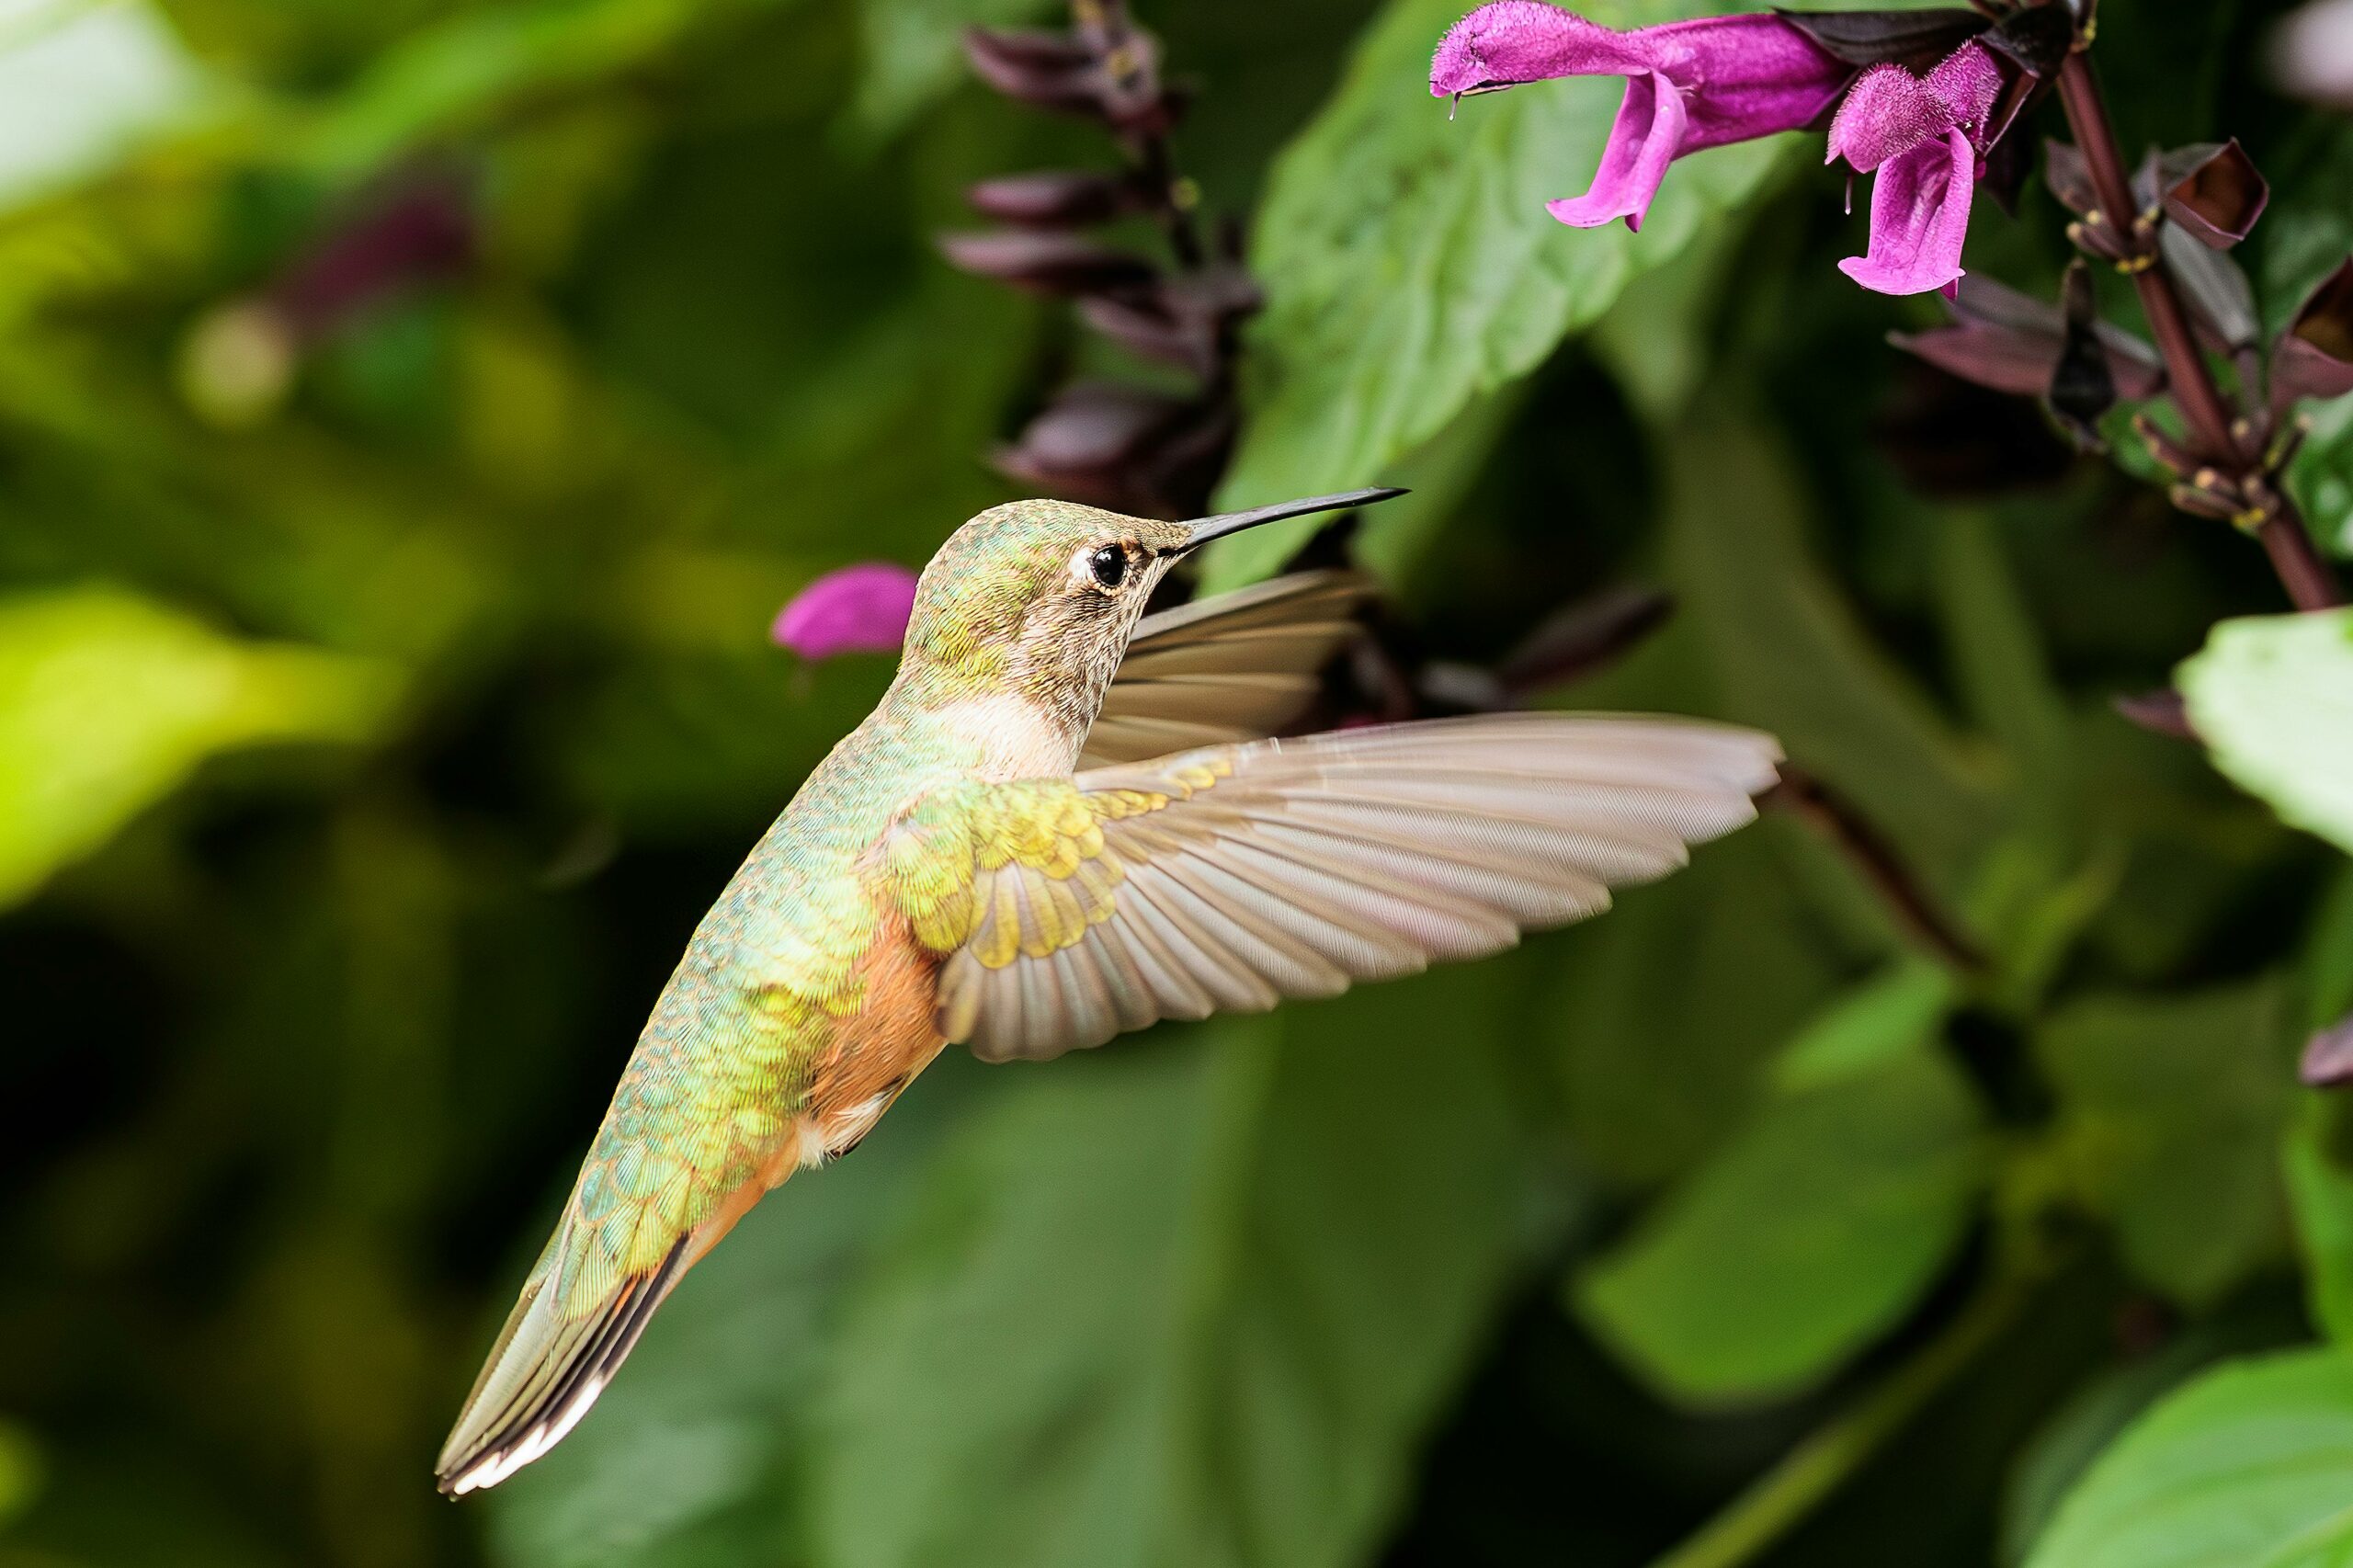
x: 948, y: 873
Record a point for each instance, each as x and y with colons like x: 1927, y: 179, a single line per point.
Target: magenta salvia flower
x: 1926, y: 137
x: 858, y: 609
x: 1690, y: 86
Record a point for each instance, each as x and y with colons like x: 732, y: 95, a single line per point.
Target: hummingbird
x: 1063, y: 822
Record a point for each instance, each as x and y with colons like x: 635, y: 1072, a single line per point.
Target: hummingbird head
x: 1040, y: 598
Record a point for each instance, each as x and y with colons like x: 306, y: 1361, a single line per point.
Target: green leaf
x: 20, y: 1471
x: 1791, y: 655
x: 2072, y: 1438
x: 452, y: 75
x: 1410, y: 267
x: 2316, y: 1158
x: 2172, y: 1112
x: 1665, y: 1013
x: 1180, y: 1304
x: 2272, y: 697
x: 1808, y: 1236
x: 1881, y: 1018
x: 912, y: 56
x: 109, y: 701
x: 2245, y: 1468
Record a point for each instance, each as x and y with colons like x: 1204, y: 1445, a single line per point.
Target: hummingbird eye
x: 1109, y: 565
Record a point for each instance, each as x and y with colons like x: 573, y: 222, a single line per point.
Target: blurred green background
x: 412, y: 414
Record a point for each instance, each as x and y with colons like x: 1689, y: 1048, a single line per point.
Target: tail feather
x: 544, y: 1372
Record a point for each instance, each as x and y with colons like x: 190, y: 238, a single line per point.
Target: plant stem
x: 1914, y: 911
x: 1108, y: 27
x: 2310, y: 582
x: 2218, y: 432
x: 1827, y: 1458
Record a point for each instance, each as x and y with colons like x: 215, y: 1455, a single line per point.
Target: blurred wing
x: 1230, y: 669
x: 1226, y: 879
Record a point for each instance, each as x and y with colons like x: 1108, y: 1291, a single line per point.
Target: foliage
x: 385, y: 691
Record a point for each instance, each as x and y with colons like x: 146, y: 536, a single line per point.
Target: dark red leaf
x: 2081, y: 389
x: 417, y: 229
x: 1057, y: 199
x: 2220, y: 300
x: 2213, y: 190
x: 1183, y: 321
x: 2006, y: 340
x: 1583, y: 639
x: 1045, y: 262
x: 1121, y: 447
x: 2070, y: 178
x: 2314, y: 357
x: 1915, y: 39
x: 1050, y: 69
x: 2328, y: 1056
x: 2036, y: 38
x: 2159, y: 713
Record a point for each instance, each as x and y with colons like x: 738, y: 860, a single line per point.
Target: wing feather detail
x: 1234, y: 667
x: 1228, y: 878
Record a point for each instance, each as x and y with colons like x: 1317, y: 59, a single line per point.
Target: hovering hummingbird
x: 1063, y: 822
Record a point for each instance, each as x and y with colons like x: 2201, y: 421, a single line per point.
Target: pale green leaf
x: 2272, y: 698
x: 1812, y: 1234
x: 2245, y: 1468
x: 109, y: 701
x: 82, y: 85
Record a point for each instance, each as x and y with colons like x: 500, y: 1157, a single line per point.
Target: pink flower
x: 1926, y: 137
x: 858, y: 609
x: 1690, y: 86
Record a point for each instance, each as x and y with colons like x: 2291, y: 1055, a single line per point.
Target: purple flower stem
x: 2216, y: 431
x: 1815, y: 803
x: 1103, y: 25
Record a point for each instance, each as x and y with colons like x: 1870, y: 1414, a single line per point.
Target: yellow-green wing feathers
x: 1228, y: 878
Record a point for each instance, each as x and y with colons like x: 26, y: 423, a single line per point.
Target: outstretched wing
x: 1234, y: 667
x: 1226, y: 879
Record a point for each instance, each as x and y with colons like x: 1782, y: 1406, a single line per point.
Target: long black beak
x: 1207, y: 529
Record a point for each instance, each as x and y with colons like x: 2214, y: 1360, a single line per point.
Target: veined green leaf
x: 1410, y: 267
x: 2245, y: 1468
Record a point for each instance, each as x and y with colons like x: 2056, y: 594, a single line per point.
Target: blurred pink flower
x: 858, y: 609
x: 1690, y: 86
x: 1924, y: 135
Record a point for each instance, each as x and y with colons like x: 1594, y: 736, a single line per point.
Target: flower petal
x: 1514, y: 41
x: 1889, y: 111
x: 1746, y: 77
x: 1919, y: 217
x: 858, y: 609
x: 1645, y: 139
x: 1967, y: 83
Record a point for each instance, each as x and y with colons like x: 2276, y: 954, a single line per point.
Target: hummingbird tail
x: 547, y: 1368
